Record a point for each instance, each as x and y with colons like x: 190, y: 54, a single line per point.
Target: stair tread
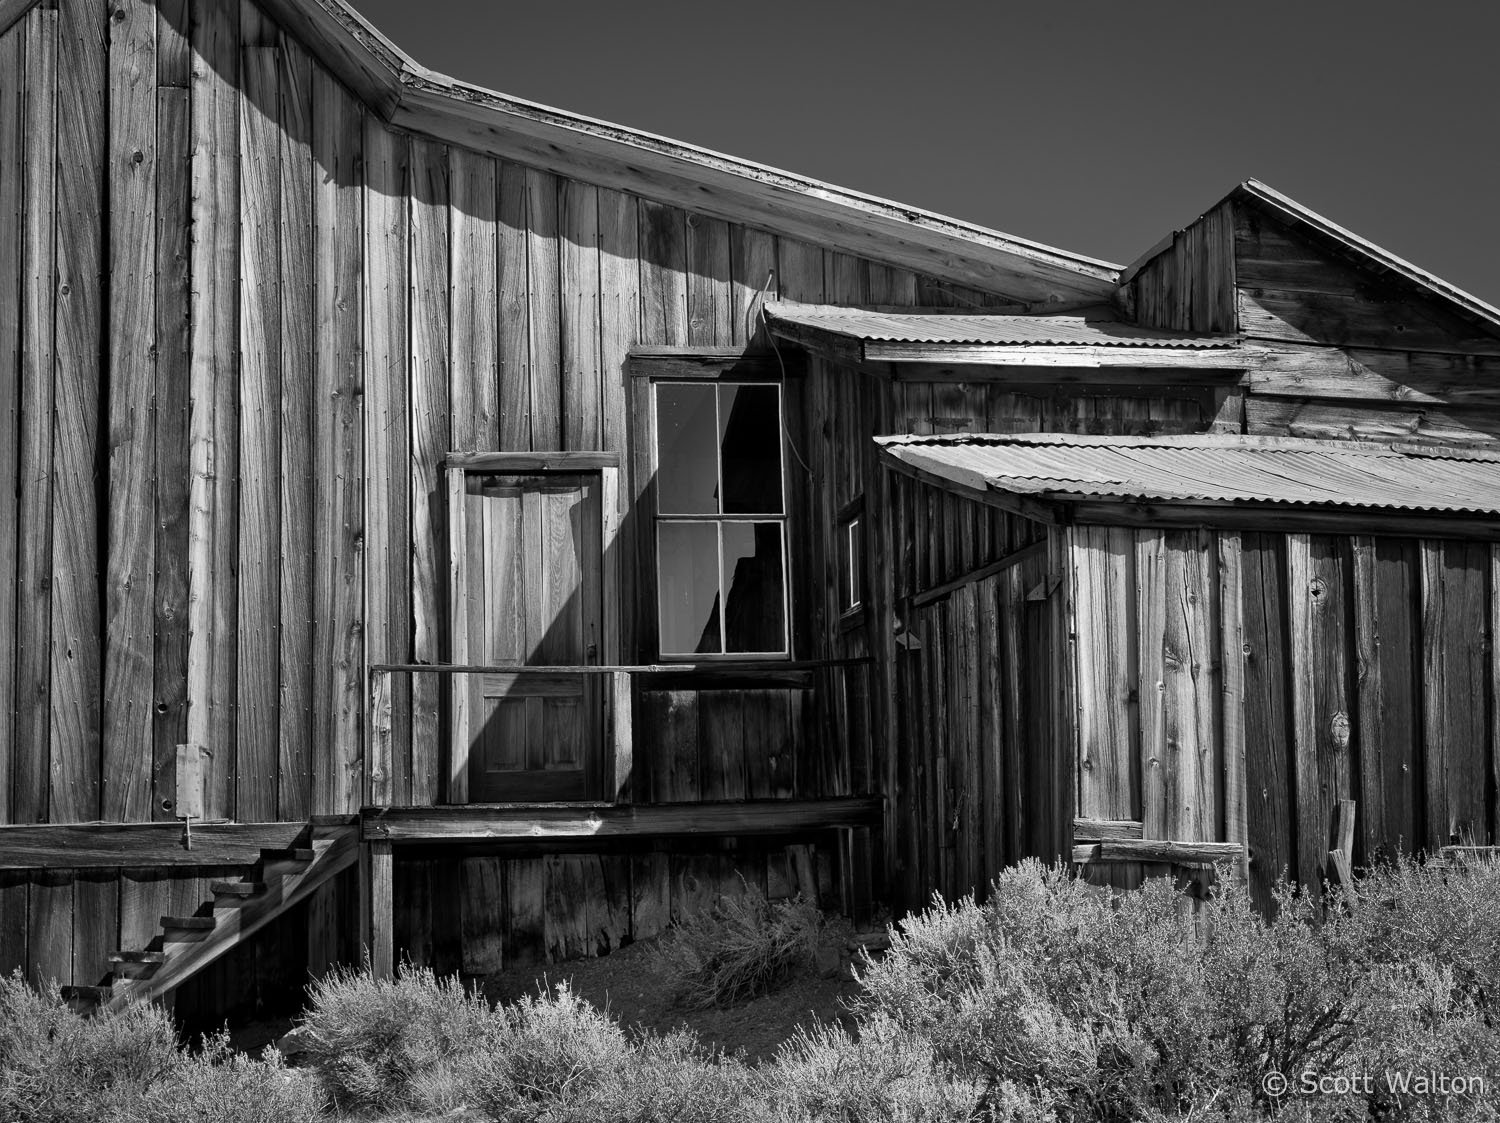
x: 237, y: 888
x: 191, y: 923
x: 292, y: 854
x: 97, y: 994
x: 137, y: 957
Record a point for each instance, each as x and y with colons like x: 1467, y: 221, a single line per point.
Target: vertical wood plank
x: 1233, y: 702
x: 77, y: 319
x: 514, y: 432
x: 722, y: 749
x: 12, y: 156
x: 34, y: 530
x: 1151, y: 617
x: 49, y: 937
x: 132, y: 140
x: 480, y: 385
x: 96, y: 924
x: 526, y: 906
x: 258, y: 656
x: 663, y: 263
x: 710, y: 302
x: 15, y: 921
x: 1190, y: 674
x: 578, y: 237
x: 145, y: 897
x: 1455, y: 618
x: 298, y: 423
x: 752, y: 270
x: 799, y: 271
x: 459, y: 612
x: 213, y: 386
x: 173, y: 341
x: 1270, y: 754
x: 338, y: 672
x: 619, y: 317
x: 429, y: 435
x: 1386, y: 588
x: 544, y: 298
x: 381, y: 909
x: 388, y: 571
x: 1103, y: 592
x: 483, y: 909
x: 1322, y: 733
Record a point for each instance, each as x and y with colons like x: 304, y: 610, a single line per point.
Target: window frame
x: 851, y: 563
x: 648, y: 368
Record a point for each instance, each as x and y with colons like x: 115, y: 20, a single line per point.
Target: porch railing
x: 619, y: 716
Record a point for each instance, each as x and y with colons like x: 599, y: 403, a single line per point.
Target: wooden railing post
x: 380, y: 793
x: 377, y: 882
x: 622, y: 731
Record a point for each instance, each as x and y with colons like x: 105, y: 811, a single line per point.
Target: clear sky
x: 1095, y: 127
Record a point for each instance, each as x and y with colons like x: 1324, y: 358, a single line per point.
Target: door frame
x: 615, y: 687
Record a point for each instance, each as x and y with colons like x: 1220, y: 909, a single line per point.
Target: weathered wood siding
x: 1352, y: 352
x: 242, y: 385
x: 232, y: 398
x: 1234, y: 686
x: 482, y: 914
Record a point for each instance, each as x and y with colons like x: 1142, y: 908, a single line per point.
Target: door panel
x: 534, y: 545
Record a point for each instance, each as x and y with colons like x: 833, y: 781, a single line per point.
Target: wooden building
x: 457, y: 526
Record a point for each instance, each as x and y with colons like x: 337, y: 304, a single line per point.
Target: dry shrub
x: 1105, y: 1008
x: 746, y: 947
x: 369, y: 1038
x: 127, y: 1067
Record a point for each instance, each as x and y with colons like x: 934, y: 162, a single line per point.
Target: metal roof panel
x: 1213, y: 468
x: 1094, y: 327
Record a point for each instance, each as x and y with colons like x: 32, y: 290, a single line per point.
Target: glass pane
x: 755, y: 605
x: 687, y: 475
x: 750, y: 440
x: 688, y: 563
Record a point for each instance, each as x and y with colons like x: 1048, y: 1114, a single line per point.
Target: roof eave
x: 411, y: 96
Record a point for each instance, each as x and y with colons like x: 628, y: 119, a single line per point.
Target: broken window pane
x: 750, y: 444
x: 755, y: 603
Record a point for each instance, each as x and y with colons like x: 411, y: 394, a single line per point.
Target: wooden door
x: 532, y: 597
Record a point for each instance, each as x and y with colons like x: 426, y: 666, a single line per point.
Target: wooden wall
x: 522, y: 906
x: 1235, y: 685
x: 947, y: 729
x: 62, y: 925
x: 1353, y: 351
x: 241, y: 321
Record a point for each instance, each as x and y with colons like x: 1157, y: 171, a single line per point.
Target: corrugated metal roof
x: 1224, y: 469
x: 1097, y: 327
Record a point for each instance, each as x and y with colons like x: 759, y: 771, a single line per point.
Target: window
x: 720, y: 519
x: 851, y: 565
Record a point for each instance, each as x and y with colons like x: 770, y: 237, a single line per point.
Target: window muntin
x: 720, y: 532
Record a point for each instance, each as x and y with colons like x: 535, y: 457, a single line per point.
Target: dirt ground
x: 635, y: 986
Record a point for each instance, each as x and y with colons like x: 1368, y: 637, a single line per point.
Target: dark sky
x: 1095, y: 127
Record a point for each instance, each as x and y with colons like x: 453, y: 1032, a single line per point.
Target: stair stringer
x: 335, y: 849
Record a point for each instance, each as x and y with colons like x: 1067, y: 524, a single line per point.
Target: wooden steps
x: 187, y: 923
x: 238, y: 909
x: 239, y: 889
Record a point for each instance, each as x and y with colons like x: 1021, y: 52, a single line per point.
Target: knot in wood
x: 1339, y: 727
x: 1317, y: 587
x: 1244, y: 649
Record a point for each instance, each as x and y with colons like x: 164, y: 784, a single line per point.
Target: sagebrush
x: 1051, y: 1002
x: 744, y: 948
